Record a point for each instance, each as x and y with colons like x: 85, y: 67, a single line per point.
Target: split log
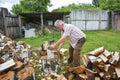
x: 117, y: 72
x: 107, y: 54
x: 98, y: 51
x: 63, y: 51
x: 7, y: 76
x: 7, y: 65
x: 97, y: 78
x: 107, y: 67
x: 83, y: 76
x: 26, y: 72
x: 103, y: 58
x: 85, y: 60
x: 18, y: 64
x: 77, y: 70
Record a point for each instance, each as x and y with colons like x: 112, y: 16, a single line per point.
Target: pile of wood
x: 99, y: 64
x: 14, y: 59
x: 103, y: 64
x: 49, y: 58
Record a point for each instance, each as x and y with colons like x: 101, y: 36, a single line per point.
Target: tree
x: 95, y: 3
x: 75, y: 6
x: 107, y: 4
x: 31, y: 6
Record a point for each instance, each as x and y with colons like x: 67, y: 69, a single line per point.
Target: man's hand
x: 51, y: 47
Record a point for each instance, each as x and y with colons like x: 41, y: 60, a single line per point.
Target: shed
x: 115, y: 19
x: 40, y: 19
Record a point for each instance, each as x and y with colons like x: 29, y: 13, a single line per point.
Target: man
x: 76, y: 38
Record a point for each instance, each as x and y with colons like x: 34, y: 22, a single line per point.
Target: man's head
x: 59, y: 24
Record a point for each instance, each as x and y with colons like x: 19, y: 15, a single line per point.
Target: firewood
x: 7, y: 65
x: 18, y: 64
x: 97, y: 78
x: 68, y: 75
x: 115, y: 58
x: 100, y: 61
x: 26, y: 72
x: 98, y: 51
x: 7, y: 76
x: 85, y: 60
x: 52, y: 59
x: 107, y: 54
x: 101, y: 74
x: 92, y: 58
x: 77, y: 70
x: 6, y: 39
x: 107, y: 67
x: 61, y: 77
x: 83, y: 76
x: 63, y: 51
x: 117, y: 72
x: 103, y: 58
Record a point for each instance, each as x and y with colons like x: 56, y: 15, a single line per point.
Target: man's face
x: 60, y: 27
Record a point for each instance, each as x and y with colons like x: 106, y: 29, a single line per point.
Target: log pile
x: 99, y: 64
x: 14, y: 60
x: 103, y: 64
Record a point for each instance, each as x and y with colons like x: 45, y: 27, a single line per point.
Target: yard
x: 109, y: 39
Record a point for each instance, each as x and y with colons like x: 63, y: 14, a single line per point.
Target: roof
x: 46, y: 15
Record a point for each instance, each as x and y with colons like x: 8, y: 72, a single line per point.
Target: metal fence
x: 89, y: 20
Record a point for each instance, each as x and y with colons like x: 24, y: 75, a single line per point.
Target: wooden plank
x: 97, y: 51
x: 42, y: 25
x: 20, y: 26
x: 4, y: 24
x: 107, y: 67
x: 85, y: 60
x: 117, y: 71
x: 93, y: 59
x: 7, y: 76
x: 107, y: 54
x: 97, y: 78
x: 103, y: 58
x: 25, y: 72
x: 7, y: 65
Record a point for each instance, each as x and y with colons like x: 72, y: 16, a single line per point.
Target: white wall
x: 89, y: 20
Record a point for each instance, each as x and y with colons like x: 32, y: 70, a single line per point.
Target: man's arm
x: 61, y: 40
x: 60, y: 46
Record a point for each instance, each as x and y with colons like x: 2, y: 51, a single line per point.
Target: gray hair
x: 58, y: 23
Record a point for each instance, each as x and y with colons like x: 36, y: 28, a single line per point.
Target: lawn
x: 109, y: 39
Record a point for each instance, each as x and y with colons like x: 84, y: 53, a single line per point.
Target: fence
x: 10, y: 25
x: 89, y: 20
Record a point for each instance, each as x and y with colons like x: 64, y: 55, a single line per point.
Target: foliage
x: 107, y: 4
x: 95, y: 3
x: 31, y: 6
x: 75, y: 6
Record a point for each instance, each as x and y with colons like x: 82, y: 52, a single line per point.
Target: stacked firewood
x: 99, y: 64
x: 14, y: 59
x: 103, y: 64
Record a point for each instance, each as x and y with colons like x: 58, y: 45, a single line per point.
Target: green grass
x: 109, y: 39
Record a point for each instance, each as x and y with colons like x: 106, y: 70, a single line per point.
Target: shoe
x: 70, y: 60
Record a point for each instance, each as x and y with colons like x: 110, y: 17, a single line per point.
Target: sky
x: 56, y: 3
